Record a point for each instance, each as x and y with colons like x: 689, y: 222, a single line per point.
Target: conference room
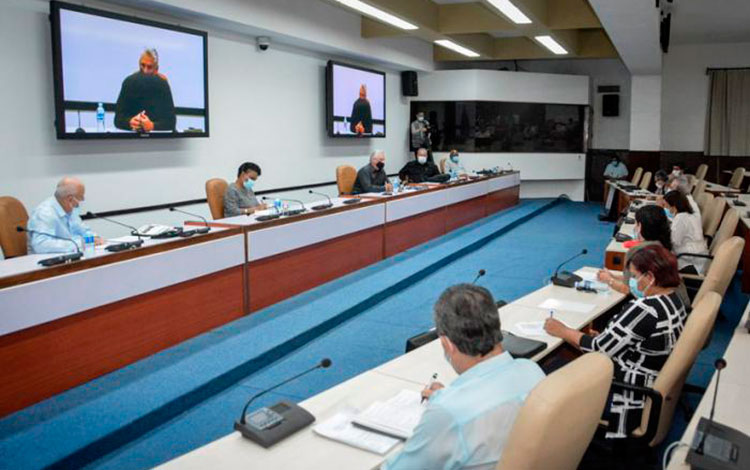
x: 375, y: 234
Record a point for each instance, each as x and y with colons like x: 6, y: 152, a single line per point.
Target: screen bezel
x: 329, y: 101
x: 58, y: 77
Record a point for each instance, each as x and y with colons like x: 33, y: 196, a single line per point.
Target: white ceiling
x: 710, y: 21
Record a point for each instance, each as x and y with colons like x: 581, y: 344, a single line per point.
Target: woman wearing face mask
x: 240, y: 198
x: 687, y: 232
x: 640, y: 338
x: 660, y: 180
x: 454, y: 165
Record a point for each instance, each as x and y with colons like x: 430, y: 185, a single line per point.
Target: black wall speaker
x: 610, y: 105
x: 409, y: 86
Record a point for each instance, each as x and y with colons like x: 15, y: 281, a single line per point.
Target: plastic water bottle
x: 346, y: 126
x: 396, y: 183
x: 277, y: 205
x: 509, y: 168
x: 592, y: 286
x: 100, y: 118
x: 89, y: 245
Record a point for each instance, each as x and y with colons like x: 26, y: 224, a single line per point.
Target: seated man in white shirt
x: 616, y: 169
x: 467, y: 423
x: 59, y: 215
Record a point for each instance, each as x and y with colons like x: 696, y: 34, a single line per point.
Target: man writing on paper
x: 467, y: 423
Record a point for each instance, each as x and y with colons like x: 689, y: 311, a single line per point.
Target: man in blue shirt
x: 467, y: 423
x: 59, y: 215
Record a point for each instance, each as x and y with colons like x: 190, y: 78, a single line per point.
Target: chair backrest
x: 702, y: 200
x: 672, y: 376
x: 722, y: 268
x: 346, y: 175
x: 442, y: 164
x: 559, y: 418
x: 726, y: 229
x: 700, y: 173
x: 737, y: 176
x: 637, y: 176
x: 700, y: 188
x: 12, y: 214
x: 215, y: 190
x: 714, y: 211
x: 646, y: 180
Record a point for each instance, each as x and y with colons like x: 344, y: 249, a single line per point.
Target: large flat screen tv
x: 355, y: 102
x: 121, y: 77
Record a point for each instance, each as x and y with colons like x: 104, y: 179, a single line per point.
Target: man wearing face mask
x: 660, y: 180
x: 239, y: 198
x: 454, y: 165
x: 372, y: 178
x: 59, y: 215
x: 466, y: 424
x: 420, y: 132
x: 419, y: 170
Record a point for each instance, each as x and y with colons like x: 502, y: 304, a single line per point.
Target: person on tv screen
x: 361, y: 119
x: 145, y: 101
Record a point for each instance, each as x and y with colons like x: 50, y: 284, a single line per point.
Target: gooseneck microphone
x: 719, y: 364
x: 481, y: 273
x: 66, y: 258
x: 566, y: 278
x: 321, y: 206
x: 269, y: 425
x: 124, y: 245
x: 205, y: 229
x: 302, y: 204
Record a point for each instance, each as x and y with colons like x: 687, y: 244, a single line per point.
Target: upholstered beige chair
x: 737, y: 176
x: 637, y: 176
x: 699, y: 188
x: 727, y: 229
x: 346, y: 175
x: 700, y: 173
x: 713, y: 213
x: 702, y: 200
x: 559, y: 417
x: 12, y: 214
x: 442, y: 164
x: 720, y: 272
x: 215, y: 190
x: 645, y: 181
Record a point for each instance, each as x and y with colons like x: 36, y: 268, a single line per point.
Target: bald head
x: 70, y: 192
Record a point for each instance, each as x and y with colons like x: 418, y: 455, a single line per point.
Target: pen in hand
x: 429, y: 385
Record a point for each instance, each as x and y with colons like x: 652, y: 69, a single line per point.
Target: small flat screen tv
x: 355, y: 102
x: 119, y: 77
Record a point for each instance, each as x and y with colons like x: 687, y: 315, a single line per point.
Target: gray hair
x: 682, y: 183
x: 67, y: 187
x: 375, y: 153
x: 468, y: 316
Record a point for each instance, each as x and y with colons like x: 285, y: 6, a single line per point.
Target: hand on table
x: 428, y: 391
x: 605, y: 276
x: 555, y: 328
x: 388, y: 187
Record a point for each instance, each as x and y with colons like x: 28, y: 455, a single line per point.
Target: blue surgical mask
x: 668, y: 213
x: 633, y: 285
x: 249, y: 184
x: 454, y: 158
x: 76, y: 212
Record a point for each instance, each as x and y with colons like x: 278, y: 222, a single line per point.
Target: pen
x: 429, y: 385
x: 552, y: 313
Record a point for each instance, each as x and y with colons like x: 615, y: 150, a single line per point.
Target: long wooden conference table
x: 65, y: 325
x: 411, y: 371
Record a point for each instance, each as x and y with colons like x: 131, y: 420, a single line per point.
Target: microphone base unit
x: 566, y: 279
x: 264, y: 218
x: 321, y: 207
x: 292, y: 212
x: 724, y: 448
x: 62, y: 259
x: 267, y: 426
x: 202, y: 230
x: 351, y: 201
x: 124, y: 246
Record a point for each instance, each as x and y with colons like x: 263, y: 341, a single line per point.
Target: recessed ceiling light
x: 455, y: 47
x: 378, y: 14
x: 511, y: 11
x: 551, y: 44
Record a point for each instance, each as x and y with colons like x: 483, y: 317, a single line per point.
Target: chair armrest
x: 695, y: 255
x: 654, y: 413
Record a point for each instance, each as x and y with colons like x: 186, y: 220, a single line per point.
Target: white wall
x: 645, y: 112
x: 264, y: 107
x: 685, y: 90
x: 542, y: 175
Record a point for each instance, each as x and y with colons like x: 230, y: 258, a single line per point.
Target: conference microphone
x: 481, y: 273
x: 566, y: 278
x: 124, y: 245
x: 294, y: 212
x: 66, y: 258
x: 321, y: 206
x: 716, y: 446
x: 205, y: 229
x: 269, y: 425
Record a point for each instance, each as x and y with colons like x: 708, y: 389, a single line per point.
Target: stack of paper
x: 340, y: 428
x: 396, y: 417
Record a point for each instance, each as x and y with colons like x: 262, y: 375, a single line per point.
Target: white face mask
x: 676, y: 172
x: 422, y: 160
x: 420, y: 118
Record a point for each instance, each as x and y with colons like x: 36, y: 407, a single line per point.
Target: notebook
x: 340, y: 428
x: 395, y: 417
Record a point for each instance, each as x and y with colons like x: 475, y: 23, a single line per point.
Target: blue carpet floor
x: 517, y: 261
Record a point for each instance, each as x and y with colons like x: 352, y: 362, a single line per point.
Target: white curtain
x: 728, y: 116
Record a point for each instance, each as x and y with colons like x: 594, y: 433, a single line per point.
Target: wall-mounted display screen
x: 355, y: 101
x: 123, y: 77
x: 496, y: 126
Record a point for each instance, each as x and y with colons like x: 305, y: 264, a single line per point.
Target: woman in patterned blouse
x: 640, y: 338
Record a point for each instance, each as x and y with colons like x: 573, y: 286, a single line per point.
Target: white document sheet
x: 340, y: 428
x: 395, y: 417
x: 557, y: 304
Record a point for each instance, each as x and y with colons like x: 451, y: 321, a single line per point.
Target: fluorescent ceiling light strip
x: 551, y: 44
x: 378, y: 14
x: 511, y: 11
x: 455, y: 47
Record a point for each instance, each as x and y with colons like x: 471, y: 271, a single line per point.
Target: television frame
x: 58, y: 77
x: 329, y: 100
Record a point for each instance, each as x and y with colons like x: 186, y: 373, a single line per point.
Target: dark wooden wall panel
x: 279, y: 277
x: 501, y: 200
x: 412, y: 231
x: 465, y: 212
x: 42, y: 361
